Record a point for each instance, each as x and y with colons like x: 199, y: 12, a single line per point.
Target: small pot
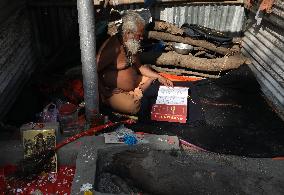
x: 182, y: 48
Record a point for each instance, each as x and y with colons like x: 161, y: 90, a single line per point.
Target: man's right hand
x: 165, y: 81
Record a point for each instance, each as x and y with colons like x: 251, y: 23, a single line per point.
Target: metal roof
x: 264, y: 44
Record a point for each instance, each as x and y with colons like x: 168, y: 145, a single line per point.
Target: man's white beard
x: 132, y: 46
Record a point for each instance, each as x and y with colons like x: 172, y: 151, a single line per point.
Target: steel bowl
x: 182, y: 48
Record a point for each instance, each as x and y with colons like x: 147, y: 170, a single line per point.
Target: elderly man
x: 122, y: 78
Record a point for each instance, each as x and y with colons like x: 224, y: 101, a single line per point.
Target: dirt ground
x: 178, y: 172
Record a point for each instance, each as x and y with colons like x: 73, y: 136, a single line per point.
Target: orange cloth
x: 180, y: 78
x: 248, y: 3
x: 266, y: 5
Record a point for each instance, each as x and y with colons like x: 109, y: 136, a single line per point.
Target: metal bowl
x: 182, y: 48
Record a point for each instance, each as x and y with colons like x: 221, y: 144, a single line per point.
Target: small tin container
x: 68, y: 119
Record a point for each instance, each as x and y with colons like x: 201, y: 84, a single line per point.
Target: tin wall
x: 55, y: 21
x: 17, y: 59
x: 220, y: 16
x: 54, y: 24
x: 264, y: 44
x: 225, y: 18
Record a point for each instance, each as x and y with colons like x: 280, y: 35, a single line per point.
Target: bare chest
x: 121, y: 61
x: 126, y: 79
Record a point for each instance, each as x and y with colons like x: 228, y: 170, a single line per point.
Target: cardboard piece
x: 171, y: 105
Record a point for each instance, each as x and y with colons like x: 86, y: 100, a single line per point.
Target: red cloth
x: 74, y: 91
x: 266, y: 5
x: 51, y: 183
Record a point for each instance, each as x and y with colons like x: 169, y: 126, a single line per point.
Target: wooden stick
x: 188, y: 40
x: 167, y: 27
x: 189, y: 61
x: 182, y: 71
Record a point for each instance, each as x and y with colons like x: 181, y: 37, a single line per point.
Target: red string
x: 91, y: 131
x: 278, y: 158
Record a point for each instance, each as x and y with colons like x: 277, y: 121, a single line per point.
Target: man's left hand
x: 165, y: 81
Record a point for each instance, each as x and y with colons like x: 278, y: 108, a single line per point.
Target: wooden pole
x: 189, y: 61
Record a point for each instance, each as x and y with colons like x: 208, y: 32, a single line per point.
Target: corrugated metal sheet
x: 26, y: 34
x: 53, y: 26
x: 7, y: 7
x: 225, y: 18
x: 221, y: 17
x: 264, y: 44
x: 17, y: 59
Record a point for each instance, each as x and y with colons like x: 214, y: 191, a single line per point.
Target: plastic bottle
x: 50, y: 113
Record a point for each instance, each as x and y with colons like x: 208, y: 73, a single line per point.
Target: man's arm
x: 148, y: 72
x: 106, y: 54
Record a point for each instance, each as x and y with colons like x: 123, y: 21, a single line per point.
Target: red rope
x: 278, y: 158
x: 91, y: 131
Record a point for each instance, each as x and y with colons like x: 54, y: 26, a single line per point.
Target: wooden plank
x: 123, y: 2
x: 127, y: 2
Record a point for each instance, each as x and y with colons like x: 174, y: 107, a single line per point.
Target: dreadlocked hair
x: 130, y: 22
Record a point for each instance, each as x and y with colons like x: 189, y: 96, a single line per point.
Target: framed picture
x: 37, y: 142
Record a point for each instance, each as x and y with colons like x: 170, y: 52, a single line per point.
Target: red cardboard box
x: 169, y: 113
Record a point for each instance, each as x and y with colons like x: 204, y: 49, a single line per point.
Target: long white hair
x: 130, y: 22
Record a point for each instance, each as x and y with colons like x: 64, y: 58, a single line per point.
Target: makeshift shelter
x: 236, y: 112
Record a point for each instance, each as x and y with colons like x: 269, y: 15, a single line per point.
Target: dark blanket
x: 228, y: 115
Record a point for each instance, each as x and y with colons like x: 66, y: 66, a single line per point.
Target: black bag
x: 198, y: 32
